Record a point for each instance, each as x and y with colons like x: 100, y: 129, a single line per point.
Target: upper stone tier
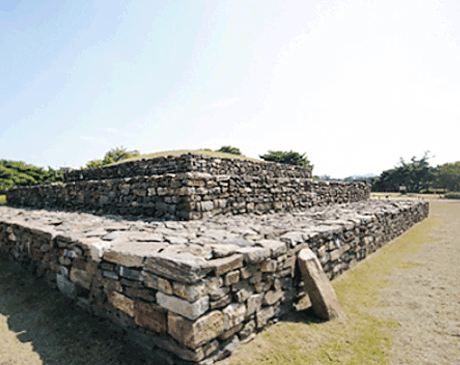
x: 188, y: 187
x: 190, y: 162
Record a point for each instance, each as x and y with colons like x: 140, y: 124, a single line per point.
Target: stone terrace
x: 188, y: 187
x: 191, y: 292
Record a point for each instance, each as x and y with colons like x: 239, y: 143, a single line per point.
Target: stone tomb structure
x: 192, y: 291
x: 188, y: 187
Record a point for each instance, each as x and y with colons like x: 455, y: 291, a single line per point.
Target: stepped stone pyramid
x: 193, y: 255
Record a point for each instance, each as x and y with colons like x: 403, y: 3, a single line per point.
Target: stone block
x: 128, y: 273
x: 183, y: 307
x: 322, y: 296
x: 254, y: 255
x: 220, y: 303
x: 184, y: 268
x: 157, y: 283
x: 234, y: 314
x: 263, y: 315
x: 276, y: 248
x: 230, y: 332
x: 190, y: 292
x: 269, y: 266
x: 80, y: 277
x: 150, y: 317
x: 272, y: 296
x: 66, y: 286
x: 232, y: 277
x: 248, y: 329
x: 226, y: 264
x: 131, y: 254
x: 254, y: 303
x: 196, y: 333
x: 121, y: 302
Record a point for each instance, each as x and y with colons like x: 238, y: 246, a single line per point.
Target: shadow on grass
x: 306, y: 316
x: 58, y: 331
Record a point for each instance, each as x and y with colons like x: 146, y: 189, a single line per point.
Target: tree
x: 18, y: 173
x: 230, y: 149
x: 114, y: 155
x: 290, y: 158
x: 94, y: 163
x: 448, y: 176
x: 416, y: 175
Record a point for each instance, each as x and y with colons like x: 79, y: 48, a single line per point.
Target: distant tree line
x: 414, y: 176
x: 18, y: 173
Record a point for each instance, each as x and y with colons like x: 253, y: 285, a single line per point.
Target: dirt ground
x: 38, y: 326
x: 425, y: 299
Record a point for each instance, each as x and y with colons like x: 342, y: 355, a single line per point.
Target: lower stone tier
x: 187, y: 196
x: 191, y: 292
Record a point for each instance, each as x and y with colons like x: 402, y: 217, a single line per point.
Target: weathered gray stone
x: 254, y: 255
x: 197, y: 333
x: 184, y: 268
x: 276, y: 247
x: 230, y: 332
x: 80, y: 277
x: 234, y: 314
x: 183, y: 307
x: 151, y: 317
x: 121, y: 302
x: 226, y: 264
x: 272, y: 296
x: 247, y: 330
x: 269, y: 266
x: 263, y: 315
x: 232, y: 277
x: 254, y: 303
x: 156, y: 282
x: 322, y: 296
x: 131, y: 254
x: 66, y: 286
x: 128, y: 273
x: 189, y: 292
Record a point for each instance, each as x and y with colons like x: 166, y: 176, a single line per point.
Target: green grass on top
x: 183, y: 152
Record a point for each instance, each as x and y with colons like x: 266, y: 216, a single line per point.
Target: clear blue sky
x: 354, y: 84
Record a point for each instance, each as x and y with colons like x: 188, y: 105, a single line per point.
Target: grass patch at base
x: 362, y: 338
x: 2, y: 199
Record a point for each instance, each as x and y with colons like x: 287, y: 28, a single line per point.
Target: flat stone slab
x: 318, y: 287
x: 125, y: 242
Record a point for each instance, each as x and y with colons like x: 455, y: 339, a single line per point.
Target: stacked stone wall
x: 190, y: 162
x: 193, y: 291
x: 188, y: 196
